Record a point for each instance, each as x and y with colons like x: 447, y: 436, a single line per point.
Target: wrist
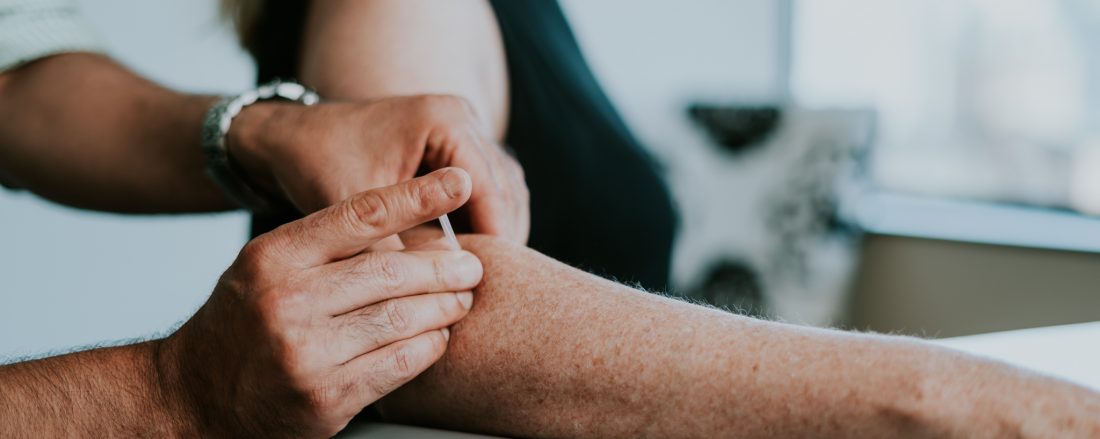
x: 251, y: 142
x: 250, y: 129
x: 169, y: 392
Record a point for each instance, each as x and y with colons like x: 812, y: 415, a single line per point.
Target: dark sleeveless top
x: 596, y: 200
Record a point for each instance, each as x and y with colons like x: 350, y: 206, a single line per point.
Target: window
x: 994, y: 100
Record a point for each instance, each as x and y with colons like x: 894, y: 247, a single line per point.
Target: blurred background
x: 917, y: 166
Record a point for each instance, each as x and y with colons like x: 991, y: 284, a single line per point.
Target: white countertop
x: 1070, y: 352
x: 887, y: 213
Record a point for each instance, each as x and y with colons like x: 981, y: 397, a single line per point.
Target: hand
x: 316, y: 156
x: 305, y: 329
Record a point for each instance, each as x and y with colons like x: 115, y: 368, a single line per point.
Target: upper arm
x: 363, y: 49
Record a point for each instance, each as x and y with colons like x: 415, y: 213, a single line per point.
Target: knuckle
x: 395, y: 370
x: 424, y: 196
x: 443, y: 107
x: 402, y: 369
x: 439, y: 270
x: 300, y: 360
x: 255, y: 252
x: 450, y: 101
x: 388, y: 271
x: 396, y: 316
x: 281, y: 314
x: 320, y: 398
x: 293, y: 302
x: 382, y: 382
x: 367, y: 326
x: 431, y: 105
x: 367, y: 210
x: 245, y: 280
x: 280, y: 303
x: 269, y: 307
x: 287, y: 355
x: 424, y: 101
x: 405, y: 362
x: 459, y: 103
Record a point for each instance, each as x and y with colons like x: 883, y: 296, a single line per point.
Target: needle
x: 448, y: 231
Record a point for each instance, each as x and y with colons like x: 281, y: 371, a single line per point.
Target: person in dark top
x: 596, y: 199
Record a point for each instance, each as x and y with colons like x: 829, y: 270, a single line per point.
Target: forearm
x: 108, y: 392
x: 81, y: 130
x: 550, y: 351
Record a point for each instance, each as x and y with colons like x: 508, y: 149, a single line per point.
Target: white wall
x: 654, y: 58
x: 70, y: 278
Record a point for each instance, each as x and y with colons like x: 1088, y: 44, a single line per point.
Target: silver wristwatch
x: 216, y: 125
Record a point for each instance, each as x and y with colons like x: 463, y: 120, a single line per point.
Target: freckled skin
x: 550, y: 351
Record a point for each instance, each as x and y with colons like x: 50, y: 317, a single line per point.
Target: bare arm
x: 108, y: 392
x: 357, y: 49
x: 81, y: 130
x: 551, y: 351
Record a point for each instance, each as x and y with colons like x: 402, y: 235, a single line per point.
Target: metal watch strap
x: 215, y: 127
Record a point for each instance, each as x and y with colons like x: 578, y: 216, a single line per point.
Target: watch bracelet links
x: 219, y: 166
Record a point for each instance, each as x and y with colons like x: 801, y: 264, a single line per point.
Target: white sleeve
x: 32, y: 29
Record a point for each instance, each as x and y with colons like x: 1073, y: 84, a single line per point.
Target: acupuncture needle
x: 449, y: 231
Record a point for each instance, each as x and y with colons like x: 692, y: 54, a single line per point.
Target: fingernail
x: 447, y: 334
x: 454, y: 182
x: 470, y: 268
x: 466, y: 298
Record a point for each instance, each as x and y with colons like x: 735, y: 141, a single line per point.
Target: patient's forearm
x: 550, y: 351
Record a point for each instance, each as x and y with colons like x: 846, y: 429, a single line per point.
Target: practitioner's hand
x: 305, y: 329
x: 316, y: 156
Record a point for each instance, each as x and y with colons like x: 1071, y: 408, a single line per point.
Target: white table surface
x: 1070, y: 352
x: 915, y: 216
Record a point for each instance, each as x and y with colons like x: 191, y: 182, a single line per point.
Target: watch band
x: 215, y: 127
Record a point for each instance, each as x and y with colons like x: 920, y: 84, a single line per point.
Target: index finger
x: 347, y: 228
